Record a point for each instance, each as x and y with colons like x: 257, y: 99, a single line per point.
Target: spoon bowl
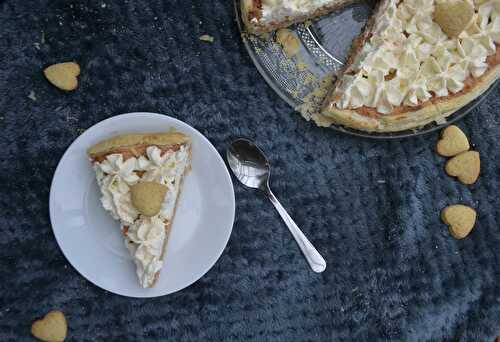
x: 249, y: 164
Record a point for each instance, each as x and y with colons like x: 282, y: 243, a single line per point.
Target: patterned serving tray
x: 301, y: 79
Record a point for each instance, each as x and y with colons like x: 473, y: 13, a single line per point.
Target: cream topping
x: 416, y: 91
x: 145, y: 236
x: 386, y: 94
x: 408, y: 57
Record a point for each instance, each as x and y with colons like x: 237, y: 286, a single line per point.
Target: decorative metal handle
x: 315, y: 260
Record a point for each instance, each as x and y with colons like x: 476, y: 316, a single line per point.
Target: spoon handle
x: 315, y: 260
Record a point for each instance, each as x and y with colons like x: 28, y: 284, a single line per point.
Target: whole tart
x: 122, y: 163
x: 403, y: 71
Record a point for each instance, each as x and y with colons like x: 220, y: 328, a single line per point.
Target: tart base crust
x: 129, y: 141
x: 435, y: 110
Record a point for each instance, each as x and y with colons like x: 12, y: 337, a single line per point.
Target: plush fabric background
x: 371, y: 207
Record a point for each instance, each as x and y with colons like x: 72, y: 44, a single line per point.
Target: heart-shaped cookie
x: 453, y: 141
x: 147, y: 197
x: 460, y: 220
x: 288, y: 41
x: 63, y: 75
x: 453, y: 16
x: 465, y: 166
x: 51, y: 328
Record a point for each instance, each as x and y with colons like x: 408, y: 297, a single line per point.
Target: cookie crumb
x: 309, y: 78
x: 288, y: 41
x: 301, y: 66
x: 32, y: 96
x: 440, y: 121
x: 311, y: 102
x: 206, y: 38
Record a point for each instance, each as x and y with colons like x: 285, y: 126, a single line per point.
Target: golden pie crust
x: 437, y: 109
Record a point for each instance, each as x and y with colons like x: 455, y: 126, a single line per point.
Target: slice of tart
x: 140, y: 177
x: 405, y: 72
x: 260, y: 16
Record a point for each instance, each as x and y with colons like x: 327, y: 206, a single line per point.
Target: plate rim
x: 227, y: 176
x: 410, y: 133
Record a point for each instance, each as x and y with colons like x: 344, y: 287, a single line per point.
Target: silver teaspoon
x: 251, y: 167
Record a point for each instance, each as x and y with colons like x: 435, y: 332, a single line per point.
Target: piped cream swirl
x: 408, y: 58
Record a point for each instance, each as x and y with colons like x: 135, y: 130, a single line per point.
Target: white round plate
x: 91, y: 240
